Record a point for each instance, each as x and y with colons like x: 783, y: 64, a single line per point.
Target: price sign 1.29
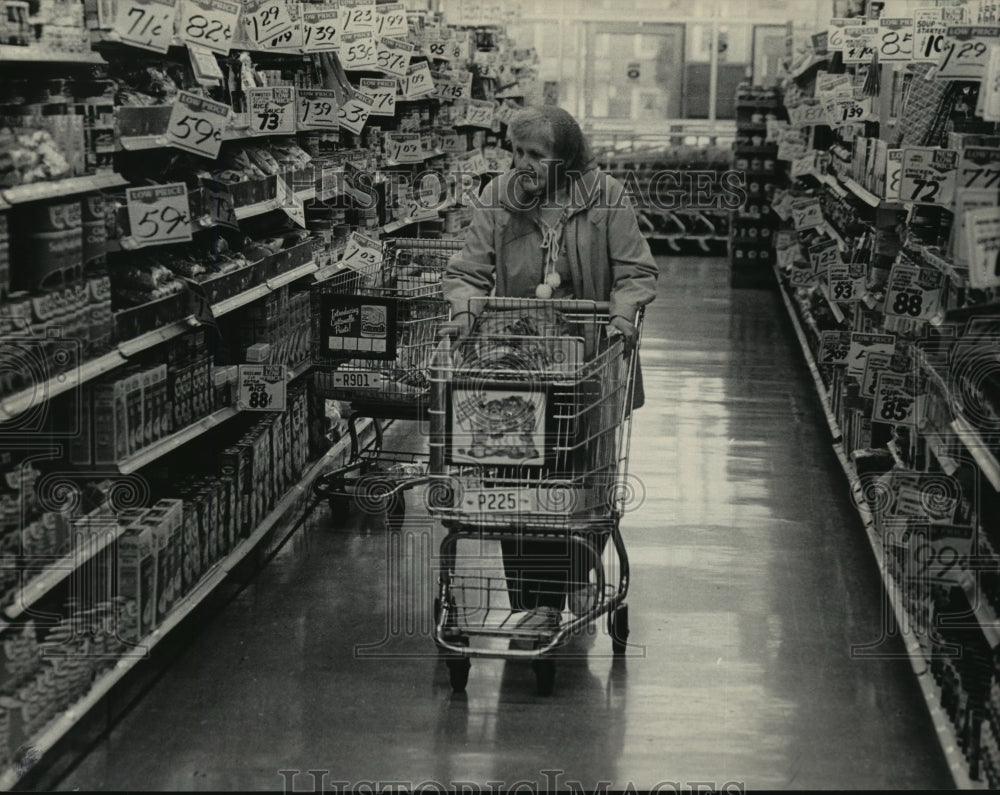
x: 159, y: 215
x: 265, y: 19
x: 196, y: 125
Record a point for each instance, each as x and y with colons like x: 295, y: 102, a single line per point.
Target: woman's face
x: 530, y: 156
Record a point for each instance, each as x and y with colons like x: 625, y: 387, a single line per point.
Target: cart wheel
x: 618, y: 628
x: 458, y: 674
x: 545, y: 676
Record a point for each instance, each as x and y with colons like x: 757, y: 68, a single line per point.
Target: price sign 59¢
x: 196, y: 125
x: 159, y: 215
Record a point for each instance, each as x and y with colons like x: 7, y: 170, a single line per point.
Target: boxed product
x: 190, y: 548
x: 20, y: 658
x: 137, y: 582
x: 201, y: 505
x: 110, y: 421
x: 166, y: 518
x: 133, y: 407
x: 236, y: 462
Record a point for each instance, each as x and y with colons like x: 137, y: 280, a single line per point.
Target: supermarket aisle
x: 751, y: 583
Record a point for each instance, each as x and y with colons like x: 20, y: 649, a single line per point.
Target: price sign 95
x: 159, y: 215
x: 146, y: 23
x: 196, y: 125
x: 317, y: 109
x: 209, y: 23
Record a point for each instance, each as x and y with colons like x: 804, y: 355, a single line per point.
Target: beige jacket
x: 609, y: 261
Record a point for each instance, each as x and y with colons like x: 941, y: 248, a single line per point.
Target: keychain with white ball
x: 552, y: 280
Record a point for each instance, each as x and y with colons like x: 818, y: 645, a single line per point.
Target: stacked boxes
x: 136, y: 584
x: 166, y: 521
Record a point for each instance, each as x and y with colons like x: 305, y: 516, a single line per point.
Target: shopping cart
x: 530, y: 428
x: 374, y: 334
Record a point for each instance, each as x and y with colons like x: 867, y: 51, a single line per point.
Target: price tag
x: 382, y: 94
x: 221, y: 207
x: 894, y: 399
x: 830, y: 87
x: 362, y: 253
x: 358, y: 50
x: 806, y: 214
x: 403, y: 148
x: 895, y: 39
x: 390, y: 20
x: 929, y: 33
x: 159, y: 215
x: 497, y: 159
x: 199, y: 306
x: 479, y: 113
x: 966, y: 52
x: 394, y: 56
x: 875, y: 363
x: 929, y: 175
x: 850, y: 111
x: 835, y: 33
x: 265, y: 19
x: 358, y: 16
x: 272, y: 110
x: 290, y: 203
x: 291, y: 40
x: 317, y: 109
x: 418, y: 81
x: 321, y: 30
x: 864, y: 345
x: 196, y: 125
x: 506, y: 110
x: 913, y: 292
x: 823, y: 256
x: 979, y: 167
x: 471, y: 163
x: 447, y: 49
x: 848, y: 281
x: 982, y: 245
x: 353, y: 114
x: 146, y: 23
x: 262, y: 387
x: 419, y: 206
x: 860, y: 43
x: 205, y: 65
x: 801, y: 274
x: 834, y: 347
x: 807, y: 114
x: 453, y: 86
x: 893, y: 173
x: 209, y: 23
x: 804, y: 165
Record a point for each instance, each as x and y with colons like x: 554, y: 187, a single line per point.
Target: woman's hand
x: 627, y: 329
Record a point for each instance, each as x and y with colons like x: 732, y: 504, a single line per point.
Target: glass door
x: 634, y: 71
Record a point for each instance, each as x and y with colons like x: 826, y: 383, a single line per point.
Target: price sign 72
x: 929, y: 175
x: 159, y: 215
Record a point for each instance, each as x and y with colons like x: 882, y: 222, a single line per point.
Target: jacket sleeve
x: 633, y: 269
x: 471, y: 272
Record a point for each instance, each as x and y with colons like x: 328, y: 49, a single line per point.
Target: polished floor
x: 752, y: 582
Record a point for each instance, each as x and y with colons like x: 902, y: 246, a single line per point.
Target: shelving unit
x: 40, y: 191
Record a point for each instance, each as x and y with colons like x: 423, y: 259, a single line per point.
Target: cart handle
x: 560, y: 304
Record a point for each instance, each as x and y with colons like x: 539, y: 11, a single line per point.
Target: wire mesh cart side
x: 374, y: 335
x: 530, y: 429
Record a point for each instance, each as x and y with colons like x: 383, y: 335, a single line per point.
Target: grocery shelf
x: 242, y: 299
x: 170, y: 443
x: 986, y: 616
x: 56, y: 189
x: 287, y: 278
x: 943, y: 726
x: 46, y: 740
x: 61, y: 569
x: 269, y: 205
x: 143, y: 143
x: 10, y: 53
x: 810, y: 359
x: 152, y: 338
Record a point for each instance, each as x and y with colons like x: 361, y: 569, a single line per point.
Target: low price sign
x: 272, y: 110
x: 929, y: 175
x: 196, y: 125
x: 966, y: 51
x: 979, y: 167
x: 317, y: 109
x: 863, y: 345
x: 209, y: 23
x: 807, y: 214
x: 353, y: 114
x: 894, y: 399
x: 913, y: 292
x: 382, y: 94
x: 394, y: 56
x: 834, y: 347
x: 159, y: 215
x: 320, y: 30
x: 262, y: 387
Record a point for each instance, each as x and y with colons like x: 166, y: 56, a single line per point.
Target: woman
x: 556, y: 227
